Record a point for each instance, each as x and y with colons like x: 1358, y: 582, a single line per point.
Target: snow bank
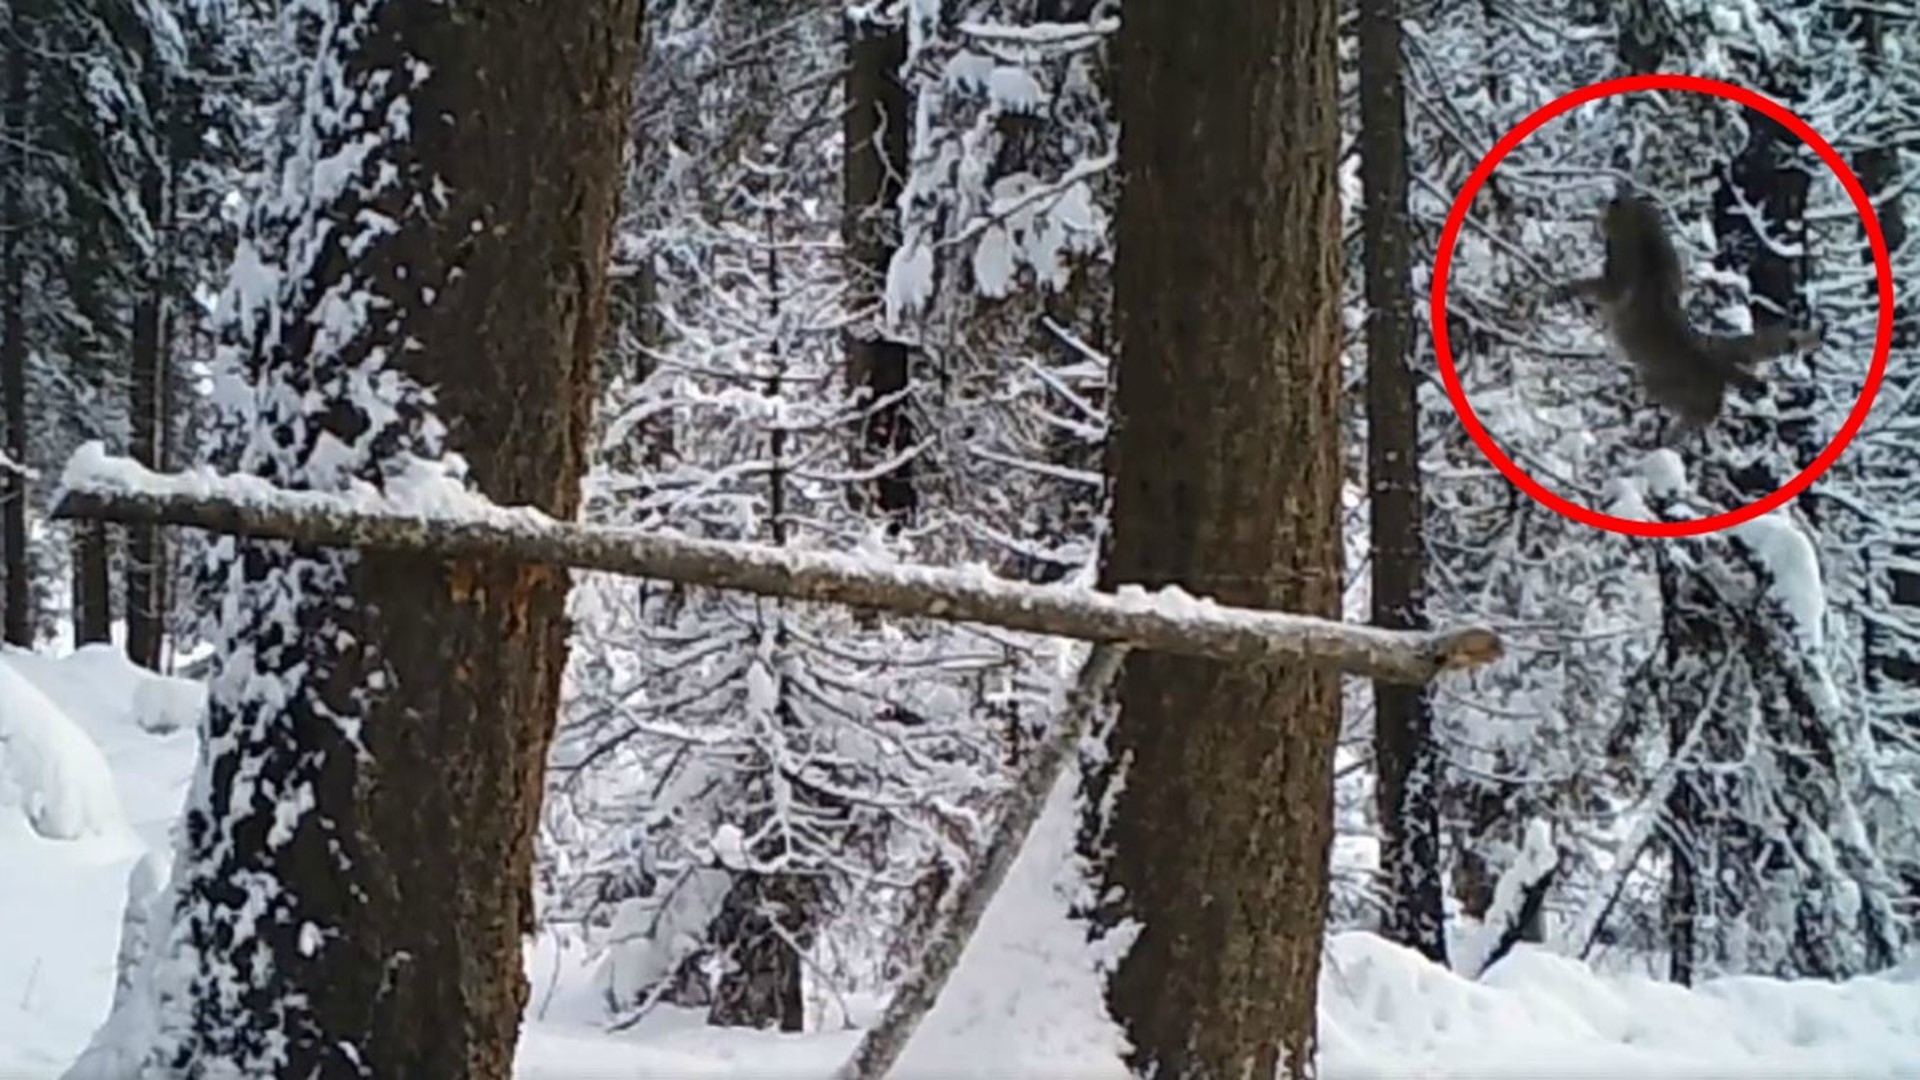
x: 145, y: 726
x: 63, y: 900
x: 1025, y: 1002
x: 50, y: 771
x: 1388, y: 1013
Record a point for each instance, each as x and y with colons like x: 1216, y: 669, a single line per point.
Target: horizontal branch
x: 447, y: 523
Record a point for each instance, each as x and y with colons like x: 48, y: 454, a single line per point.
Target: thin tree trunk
x: 765, y: 922
x: 1407, y: 793
x: 145, y: 603
x: 18, y: 603
x: 875, y: 127
x: 1760, y: 211
x: 1226, y: 482
x: 768, y: 918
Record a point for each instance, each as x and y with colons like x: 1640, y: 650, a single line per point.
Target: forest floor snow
x: 95, y: 756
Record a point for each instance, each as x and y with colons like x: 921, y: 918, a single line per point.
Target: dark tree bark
x: 92, y: 595
x: 1226, y: 482
x: 146, y: 595
x: 877, y: 120
x: 16, y: 609
x: 364, y: 828
x: 1689, y: 625
x: 1402, y: 720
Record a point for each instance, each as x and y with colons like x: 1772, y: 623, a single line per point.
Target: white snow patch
x: 730, y: 847
x: 1387, y: 1013
x: 1625, y: 499
x: 1026, y: 999
x: 1015, y: 89
x: 1790, y: 557
x: 61, y: 907
x: 51, y: 773
x: 909, y: 278
x: 1665, y: 474
x: 993, y: 266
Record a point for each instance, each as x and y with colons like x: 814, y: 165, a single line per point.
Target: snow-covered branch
x: 437, y: 520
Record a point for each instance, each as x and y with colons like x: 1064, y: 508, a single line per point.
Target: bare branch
x: 463, y: 526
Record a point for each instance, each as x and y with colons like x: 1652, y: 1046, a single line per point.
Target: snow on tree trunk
x: 418, y: 301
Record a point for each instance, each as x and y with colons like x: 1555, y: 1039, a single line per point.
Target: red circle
x: 1456, y: 217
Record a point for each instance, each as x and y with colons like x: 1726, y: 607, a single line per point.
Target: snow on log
x: 432, y: 516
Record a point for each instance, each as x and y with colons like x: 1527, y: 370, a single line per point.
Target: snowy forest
x: 929, y: 538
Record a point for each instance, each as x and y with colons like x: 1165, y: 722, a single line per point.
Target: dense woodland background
x: 862, y: 296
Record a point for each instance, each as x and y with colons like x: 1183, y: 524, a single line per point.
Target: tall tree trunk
x: 1892, y: 658
x: 1402, y: 720
x: 875, y: 129
x: 18, y: 602
x: 145, y: 603
x: 146, y: 553
x: 363, y: 827
x: 1226, y: 482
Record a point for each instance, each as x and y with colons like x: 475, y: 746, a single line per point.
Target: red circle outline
x: 1443, y: 259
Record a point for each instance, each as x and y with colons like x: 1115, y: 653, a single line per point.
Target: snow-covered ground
x: 95, y: 756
